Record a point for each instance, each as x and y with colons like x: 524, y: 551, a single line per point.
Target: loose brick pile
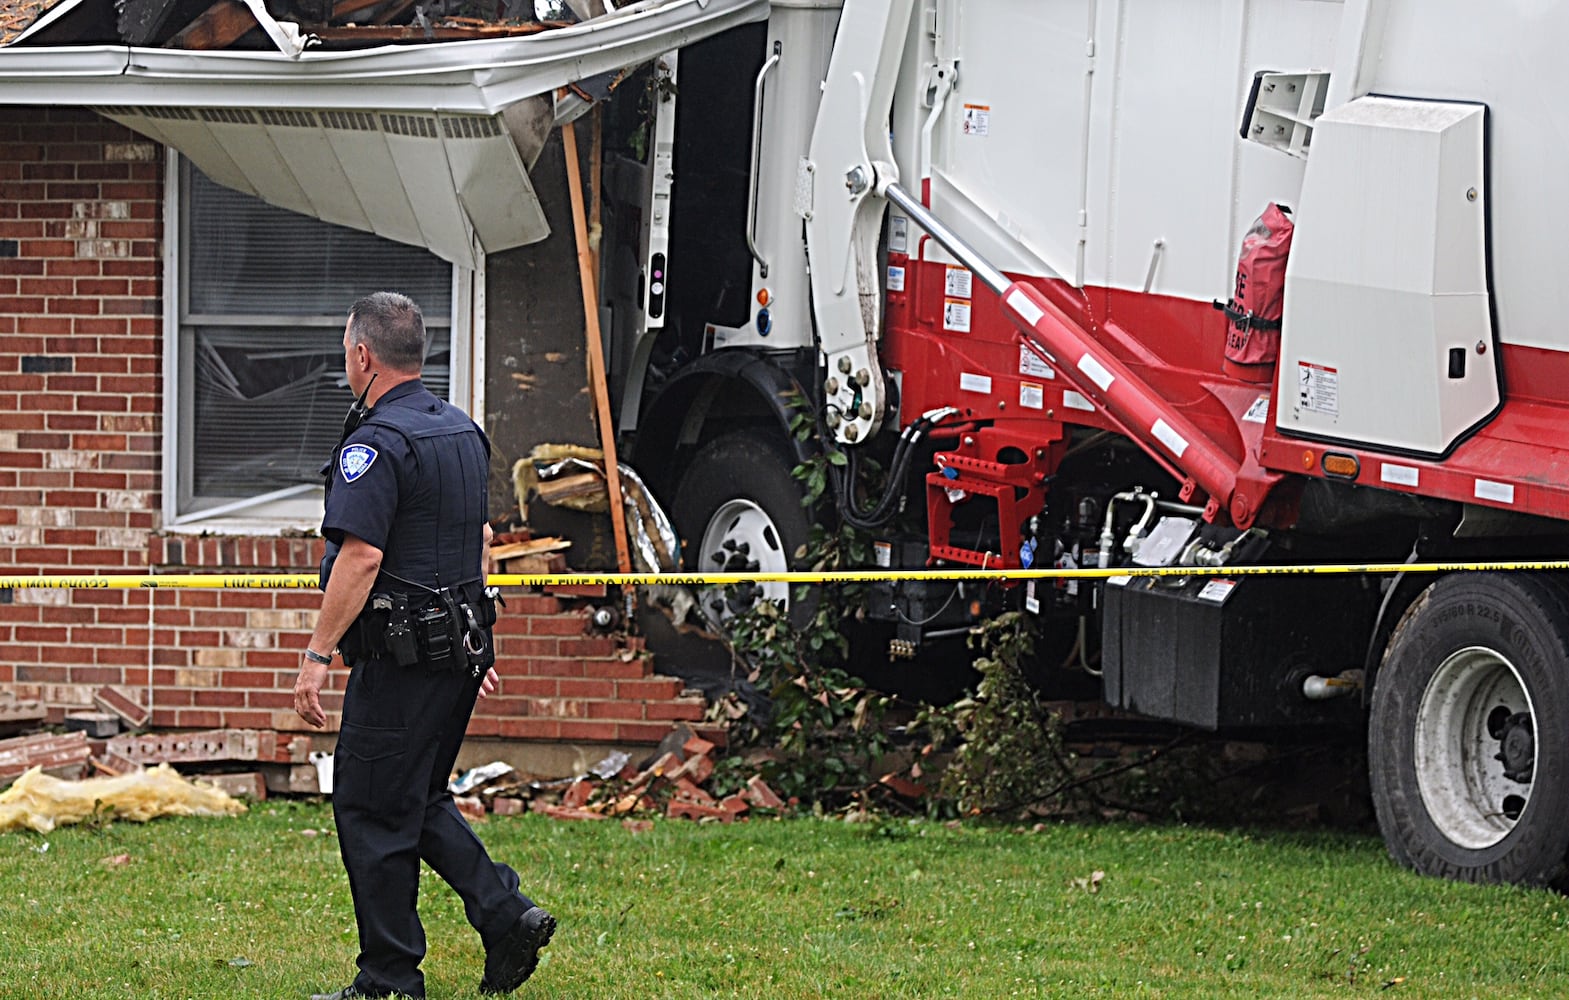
x: 672, y: 784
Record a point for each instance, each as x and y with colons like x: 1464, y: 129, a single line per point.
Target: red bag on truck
x: 1253, y: 338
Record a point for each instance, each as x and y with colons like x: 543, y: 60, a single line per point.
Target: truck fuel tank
x: 1222, y: 652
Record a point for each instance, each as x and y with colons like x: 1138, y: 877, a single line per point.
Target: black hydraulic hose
x: 888, y: 504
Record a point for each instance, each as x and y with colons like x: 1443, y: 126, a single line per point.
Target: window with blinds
x: 263, y: 296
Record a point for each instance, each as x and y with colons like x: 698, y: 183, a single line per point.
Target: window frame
x: 295, y: 508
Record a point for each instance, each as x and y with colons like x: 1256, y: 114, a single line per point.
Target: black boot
x: 515, y: 956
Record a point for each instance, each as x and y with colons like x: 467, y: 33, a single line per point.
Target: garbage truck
x: 1067, y: 283
x: 1195, y: 284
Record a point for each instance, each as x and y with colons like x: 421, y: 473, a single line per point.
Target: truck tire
x: 738, y: 509
x: 1468, y: 739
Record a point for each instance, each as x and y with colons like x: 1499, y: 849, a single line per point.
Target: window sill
x: 246, y: 527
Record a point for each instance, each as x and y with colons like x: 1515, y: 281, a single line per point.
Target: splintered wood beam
x: 598, y: 384
x: 219, y: 27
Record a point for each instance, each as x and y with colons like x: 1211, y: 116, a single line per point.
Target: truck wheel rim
x: 1463, y: 785
x: 739, y: 523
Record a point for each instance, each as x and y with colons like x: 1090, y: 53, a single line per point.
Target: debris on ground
x: 520, y: 552
x: 123, y: 703
x: 284, y: 761
x: 240, y: 784
x: 97, y: 725
x: 39, y: 802
x: 681, y: 779
x: 17, y: 715
x: 478, y: 777
x: 61, y: 755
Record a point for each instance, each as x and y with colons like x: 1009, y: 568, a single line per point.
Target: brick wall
x: 81, y: 337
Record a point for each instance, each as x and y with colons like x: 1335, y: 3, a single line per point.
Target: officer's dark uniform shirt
x: 411, y: 481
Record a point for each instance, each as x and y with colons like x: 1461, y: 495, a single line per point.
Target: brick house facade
x: 82, y: 342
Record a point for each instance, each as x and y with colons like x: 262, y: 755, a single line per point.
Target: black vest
x: 437, y: 532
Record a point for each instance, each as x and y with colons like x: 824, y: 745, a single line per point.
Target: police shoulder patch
x: 355, y: 461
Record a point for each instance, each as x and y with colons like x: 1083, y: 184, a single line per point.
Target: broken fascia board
x: 481, y: 76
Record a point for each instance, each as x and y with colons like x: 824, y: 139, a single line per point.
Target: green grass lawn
x: 258, y: 906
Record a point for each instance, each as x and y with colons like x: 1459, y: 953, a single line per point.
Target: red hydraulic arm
x: 1151, y: 421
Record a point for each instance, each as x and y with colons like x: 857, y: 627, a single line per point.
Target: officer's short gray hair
x: 392, y: 326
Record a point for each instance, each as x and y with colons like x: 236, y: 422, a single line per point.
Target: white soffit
x: 452, y: 183
x: 404, y: 141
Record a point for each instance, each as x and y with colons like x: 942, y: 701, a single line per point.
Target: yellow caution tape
x: 308, y: 581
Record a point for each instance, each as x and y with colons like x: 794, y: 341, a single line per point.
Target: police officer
x: 406, y: 604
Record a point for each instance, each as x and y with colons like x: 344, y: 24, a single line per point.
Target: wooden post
x: 598, y: 386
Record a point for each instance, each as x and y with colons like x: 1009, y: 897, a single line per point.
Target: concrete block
x: 97, y: 725
x: 291, y: 779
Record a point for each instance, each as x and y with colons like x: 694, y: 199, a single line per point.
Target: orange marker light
x: 1342, y: 466
x: 1308, y: 460
x: 763, y: 298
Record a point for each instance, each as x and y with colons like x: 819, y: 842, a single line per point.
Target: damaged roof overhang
x: 425, y: 144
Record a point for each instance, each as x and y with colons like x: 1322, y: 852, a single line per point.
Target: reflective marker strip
x: 1027, y: 309
x: 1096, y: 371
x: 1076, y: 401
x: 1170, y: 438
x: 970, y: 382
x: 1486, y: 489
x: 1400, y: 475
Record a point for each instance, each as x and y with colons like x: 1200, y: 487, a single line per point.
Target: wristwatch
x: 315, y: 657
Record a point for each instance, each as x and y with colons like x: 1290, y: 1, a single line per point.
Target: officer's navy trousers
x: 402, y: 727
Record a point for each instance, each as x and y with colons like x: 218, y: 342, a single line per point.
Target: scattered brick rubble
x: 672, y: 782
x: 62, y: 756
x: 677, y: 780
x: 247, y: 762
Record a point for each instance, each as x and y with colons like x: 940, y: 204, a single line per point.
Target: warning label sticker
x: 1318, y: 388
x: 898, y: 234
x: 957, y: 283
x: 1031, y: 364
x: 956, y: 315
x: 1259, y: 411
x: 1032, y: 395
x: 977, y: 119
x: 895, y: 278
x: 1217, y: 590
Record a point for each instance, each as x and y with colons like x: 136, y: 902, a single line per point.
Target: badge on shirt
x: 355, y: 461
